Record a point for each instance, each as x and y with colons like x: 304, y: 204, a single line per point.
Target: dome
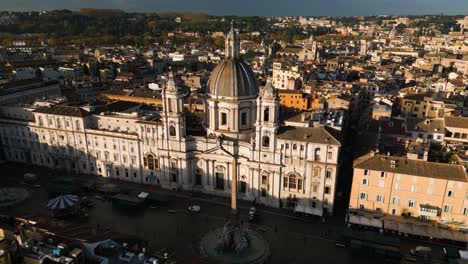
x: 233, y: 77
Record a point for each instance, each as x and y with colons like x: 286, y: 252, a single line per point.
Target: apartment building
x: 402, y: 186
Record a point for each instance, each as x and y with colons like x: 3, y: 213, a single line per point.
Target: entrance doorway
x: 219, y: 180
x: 243, y: 187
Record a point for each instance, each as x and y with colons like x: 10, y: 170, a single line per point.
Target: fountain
x: 234, y: 242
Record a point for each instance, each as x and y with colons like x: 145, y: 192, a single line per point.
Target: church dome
x: 233, y: 77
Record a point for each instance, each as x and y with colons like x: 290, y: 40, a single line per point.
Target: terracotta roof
x: 456, y: 121
x: 412, y: 167
x: 63, y: 110
x: 321, y: 135
x: 425, y: 125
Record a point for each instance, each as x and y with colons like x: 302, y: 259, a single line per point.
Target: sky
x: 255, y: 7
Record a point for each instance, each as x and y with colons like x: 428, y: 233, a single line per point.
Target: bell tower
x: 173, y: 112
x: 267, y: 117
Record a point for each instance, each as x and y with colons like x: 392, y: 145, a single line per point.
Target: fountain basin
x: 257, y: 251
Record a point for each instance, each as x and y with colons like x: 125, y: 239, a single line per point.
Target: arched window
x: 317, y: 154
x: 172, y: 131
x: 265, y: 141
x: 266, y: 114
x: 292, y: 182
x: 151, y: 162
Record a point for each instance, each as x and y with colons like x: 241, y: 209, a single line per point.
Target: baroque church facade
x: 279, y: 166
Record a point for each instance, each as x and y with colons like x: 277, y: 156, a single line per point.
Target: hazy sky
x: 255, y: 7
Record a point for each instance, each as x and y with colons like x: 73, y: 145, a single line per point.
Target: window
x: 59, y: 123
x: 266, y: 114
x: 381, y: 184
x: 363, y: 196
x: 317, y: 154
x: 411, y: 203
x: 41, y: 121
x: 244, y: 119
x: 448, y: 208
x: 172, y: 131
x: 465, y: 211
x: 328, y: 174
x: 265, y: 178
x: 450, y: 194
x: 365, y: 181
x: 223, y: 119
x: 382, y: 174
x: 395, y: 200
x: 330, y: 155
x: 413, y: 188
x: 151, y: 162
x: 265, y: 141
x: 397, y: 186
x: 77, y: 124
x: 317, y: 172
x: 315, y: 187
x: 327, y: 190
x: 292, y: 182
x: 379, y: 198
x: 366, y: 172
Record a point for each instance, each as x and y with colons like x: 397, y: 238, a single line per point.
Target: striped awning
x: 62, y: 202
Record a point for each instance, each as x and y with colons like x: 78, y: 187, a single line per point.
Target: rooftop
x: 411, y: 167
x: 456, y: 121
x: 62, y: 110
x: 321, y: 135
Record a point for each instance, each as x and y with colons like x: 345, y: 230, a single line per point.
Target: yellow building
x: 297, y: 99
x: 422, y: 106
x: 402, y: 186
x: 125, y: 96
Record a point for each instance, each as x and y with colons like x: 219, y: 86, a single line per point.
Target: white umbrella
x: 62, y: 202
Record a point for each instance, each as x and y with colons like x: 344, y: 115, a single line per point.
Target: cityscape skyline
x: 258, y: 7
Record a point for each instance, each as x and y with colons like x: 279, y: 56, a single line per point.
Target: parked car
x: 421, y: 251
x: 127, y: 257
x: 151, y: 261
x: 194, y: 208
x: 252, y: 214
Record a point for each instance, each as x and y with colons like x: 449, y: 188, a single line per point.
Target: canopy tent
x: 301, y: 208
x: 365, y: 221
x: 62, y: 202
x: 425, y: 230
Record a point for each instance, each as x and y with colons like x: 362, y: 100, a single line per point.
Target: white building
x: 278, y: 166
x: 285, y: 76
